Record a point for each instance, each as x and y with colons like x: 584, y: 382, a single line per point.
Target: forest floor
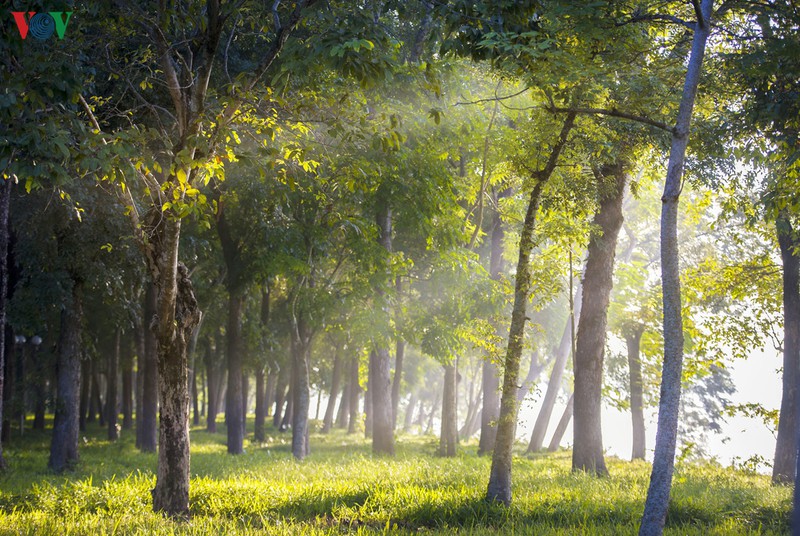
x: 342, y: 488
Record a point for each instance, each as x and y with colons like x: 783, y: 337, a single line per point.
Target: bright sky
x: 757, y: 379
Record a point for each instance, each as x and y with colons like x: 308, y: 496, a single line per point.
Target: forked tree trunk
x: 657, y: 503
x: 449, y: 432
x: 633, y: 340
x: 786, y: 446
x: 111, y: 388
x: 233, y: 399
x: 563, y: 423
x: 64, y: 443
x: 150, y: 391
x: 327, y: 421
x: 5, y: 201
x: 499, y: 488
x: 587, y: 450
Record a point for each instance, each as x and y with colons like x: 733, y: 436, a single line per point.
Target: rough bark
x: 380, y: 386
x: 149, y: 432
x: 111, y: 388
x: 563, y: 422
x: 587, y: 450
x: 233, y: 399
x: 499, y: 488
x: 783, y: 468
x: 633, y: 339
x: 5, y: 201
x: 327, y: 421
x: 657, y: 503
x: 449, y: 433
x: 64, y: 443
x: 556, y: 377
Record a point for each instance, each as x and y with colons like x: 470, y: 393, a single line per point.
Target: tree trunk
x: 412, y: 403
x: 212, y: 375
x: 233, y: 399
x: 245, y: 401
x: 139, y: 336
x: 40, y: 386
x: 195, y: 398
x: 587, y: 449
x: 499, y: 488
x: 178, y: 314
x: 5, y: 202
x: 127, y: 387
x: 657, y: 503
x: 327, y: 421
x: 289, y: 412
x: 786, y: 446
x: 111, y: 388
x: 84, y: 402
x: 632, y: 340
x: 355, y: 391
x: 556, y: 377
x: 64, y: 444
x: 280, y: 394
x: 258, y: 429
x: 301, y: 390
x: 269, y: 396
x: 368, y: 398
x: 380, y: 386
x: 561, y: 428
x: 150, y: 388
x: 399, y: 356
x: 449, y: 433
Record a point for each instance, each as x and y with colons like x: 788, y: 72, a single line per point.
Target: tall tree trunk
x: 412, y: 404
x: 150, y: 388
x: 368, y: 398
x: 657, y: 503
x: 449, y: 432
x: 380, y: 386
x: 343, y: 414
x: 245, y: 401
x: 355, y: 392
x: 786, y: 446
x: 40, y: 386
x: 64, y: 443
x: 556, y: 377
x: 269, y: 396
x: 399, y: 357
x: 233, y: 399
x: 587, y: 450
x: 111, y: 388
x: 301, y: 390
x: 563, y: 422
x: 289, y: 412
x: 5, y: 202
x: 499, y: 488
x: 212, y: 375
x: 327, y: 421
x: 258, y: 428
x: 633, y: 339
x: 178, y: 314
x: 280, y: 394
x: 127, y: 386
x: 195, y: 398
x: 84, y: 401
x: 139, y: 335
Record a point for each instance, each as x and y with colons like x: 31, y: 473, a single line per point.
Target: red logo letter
x: 22, y: 24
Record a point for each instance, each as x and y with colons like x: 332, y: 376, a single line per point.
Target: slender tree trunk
x: 233, y: 399
x: 64, y: 444
x: 301, y: 391
x: 127, y: 387
x: 327, y: 421
x: 399, y: 357
x: 139, y: 336
x: 632, y: 340
x: 587, y: 450
x: 95, y: 405
x: 213, y: 381
x: 499, y: 488
x: 556, y: 377
x: 84, y: 402
x: 5, y: 202
x: 111, y: 388
x: 343, y: 413
x: 269, y: 396
x: 380, y: 385
x: 783, y: 468
x: 657, y: 503
x: 280, y: 394
x: 563, y: 423
x: 195, y: 398
x: 245, y: 401
x: 368, y: 398
x: 412, y: 404
x: 40, y: 385
x: 355, y: 392
x: 258, y: 429
x: 150, y: 388
x: 289, y: 412
x: 449, y: 432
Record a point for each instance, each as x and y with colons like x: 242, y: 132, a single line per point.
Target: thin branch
x: 493, y: 99
x: 642, y: 17
x: 612, y: 112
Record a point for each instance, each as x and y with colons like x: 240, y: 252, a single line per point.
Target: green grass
x: 342, y: 488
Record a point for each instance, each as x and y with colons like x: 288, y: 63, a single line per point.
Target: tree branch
x: 699, y: 13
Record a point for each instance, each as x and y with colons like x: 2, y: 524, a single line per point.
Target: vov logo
x: 42, y: 25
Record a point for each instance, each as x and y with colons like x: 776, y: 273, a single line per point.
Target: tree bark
x: 499, y: 488
x: 380, y: 383
x: 632, y: 340
x: 5, y: 202
x: 327, y: 421
x: 301, y: 389
x: 150, y: 391
x: 556, y: 377
x: 563, y: 422
x: 64, y: 444
x: 587, y: 450
x: 449, y: 433
x: 111, y: 388
x: 657, y: 503
x: 233, y: 399
x: 783, y: 468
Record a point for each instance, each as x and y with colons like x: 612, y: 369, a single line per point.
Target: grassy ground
x: 342, y: 488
